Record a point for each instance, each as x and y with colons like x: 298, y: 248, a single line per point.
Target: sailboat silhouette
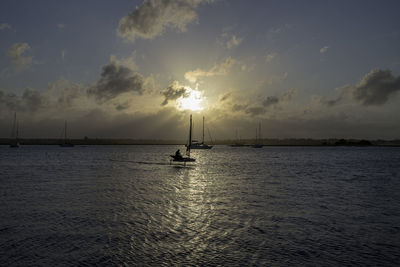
x: 65, y: 142
x: 257, y: 143
x: 200, y: 145
x: 178, y: 157
x: 14, y: 133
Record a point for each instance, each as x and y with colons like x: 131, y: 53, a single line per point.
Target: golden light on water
x: 192, y: 100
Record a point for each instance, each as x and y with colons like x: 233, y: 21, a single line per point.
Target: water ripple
x: 126, y: 205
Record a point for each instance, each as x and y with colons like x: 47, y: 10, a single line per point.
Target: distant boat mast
x: 190, y: 137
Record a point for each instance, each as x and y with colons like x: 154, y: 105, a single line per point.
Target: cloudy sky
x: 137, y: 69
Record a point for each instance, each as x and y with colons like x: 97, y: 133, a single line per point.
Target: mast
x: 259, y: 131
x: 16, y: 133
x: 202, y: 141
x: 13, y: 132
x: 65, y: 131
x: 190, y: 137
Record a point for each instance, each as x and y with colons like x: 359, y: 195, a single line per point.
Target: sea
x: 235, y: 206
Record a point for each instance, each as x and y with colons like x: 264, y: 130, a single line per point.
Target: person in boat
x: 178, y: 154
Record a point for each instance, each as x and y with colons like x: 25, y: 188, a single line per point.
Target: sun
x: 192, y: 100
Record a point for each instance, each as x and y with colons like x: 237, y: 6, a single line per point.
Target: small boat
x: 200, y: 145
x: 179, y: 158
x: 238, y: 142
x: 65, y: 142
x: 14, y: 133
x: 257, y: 143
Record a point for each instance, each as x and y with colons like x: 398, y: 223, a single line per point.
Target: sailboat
x: 200, y: 145
x: 238, y: 142
x: 14, y: 133
x: 65, y: 142
x: 179, y: 158
x: 258, y: 137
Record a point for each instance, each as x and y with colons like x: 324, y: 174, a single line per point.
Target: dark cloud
x: 260, y: 106
x: 30, y: 101
x: 8, y: 100
x: 238, y: 107
x: 333, y: 102
x: 275, y: 100
x: 117, y: 79
x: 270, y: 100
x: 254, y: 111
x: 122, y: 106
x: 152, y: 17
x: 173, y: 92
x: 376, y: 88
x: 225, y: 97
x: 69, y: 95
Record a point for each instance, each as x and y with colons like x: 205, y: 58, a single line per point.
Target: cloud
x: 8, y: 101
x: 152, y: 17
x: 29, y: 101
x: 343, y: 93
x: 65, y: 94
x: 4, y: 26
x: 234, y: 41
x: 254, y: 111
x: 376, y: 88
x: 268, y: 102
x: 173, y: 92
x: 33, y: 100
x: 225, y: 97
x: 232, y: 102
x: 221, y: 69
x: 117, y: 78
x: 270, y: 57
x: 229, y: 40
x: 323, y: 49
x: 15, y: 53
x: 61, y: 26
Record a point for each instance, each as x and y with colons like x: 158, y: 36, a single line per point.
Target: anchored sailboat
x: 258, y: 137
x: 14, y: 133
x: 178, y: 157
x: 200, y: 145
x: 65, y: 142
x: 238, y: 142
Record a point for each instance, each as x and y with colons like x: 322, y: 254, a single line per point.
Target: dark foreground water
x: 125, y: 205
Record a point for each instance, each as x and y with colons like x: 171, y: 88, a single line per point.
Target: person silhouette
x: 178, y: 154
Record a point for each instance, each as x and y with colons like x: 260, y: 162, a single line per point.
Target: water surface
x: 126, y: 205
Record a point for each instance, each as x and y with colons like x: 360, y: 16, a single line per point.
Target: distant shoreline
x: 245, y: 142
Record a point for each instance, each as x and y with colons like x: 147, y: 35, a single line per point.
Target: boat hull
x: 237, y: 145
x: 66, y: 145
x: 182, y: 159
x: 14, y: 145
x: 200, y: 146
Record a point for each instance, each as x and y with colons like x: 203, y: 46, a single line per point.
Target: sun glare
x: 192, y: 100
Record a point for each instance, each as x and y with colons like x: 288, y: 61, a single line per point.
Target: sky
x: 138, y: 69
